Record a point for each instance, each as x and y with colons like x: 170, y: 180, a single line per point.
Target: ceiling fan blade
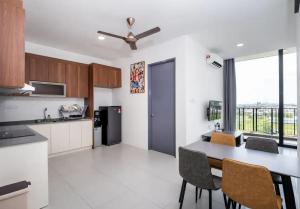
x: 133, y: 45
x: 112, y: 35
x: 147, y: 33
x: 297, y: 5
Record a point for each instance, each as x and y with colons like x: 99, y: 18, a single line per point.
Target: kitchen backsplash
x: 30, y: 108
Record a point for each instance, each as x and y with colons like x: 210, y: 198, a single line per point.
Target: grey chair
x: 194, y: 168
x: 266, y: 145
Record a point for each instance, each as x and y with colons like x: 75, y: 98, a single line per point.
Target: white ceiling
x: 262, y: 25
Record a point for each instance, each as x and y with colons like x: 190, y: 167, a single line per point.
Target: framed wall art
x: 137, y: 78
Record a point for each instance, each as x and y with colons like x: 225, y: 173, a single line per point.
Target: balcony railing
x: 265, y: 121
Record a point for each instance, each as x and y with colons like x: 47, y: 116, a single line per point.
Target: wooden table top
x: 277, y: 163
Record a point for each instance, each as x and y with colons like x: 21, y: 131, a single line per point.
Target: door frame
x: 150, y: 103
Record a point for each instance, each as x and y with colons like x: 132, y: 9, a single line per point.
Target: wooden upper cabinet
x: 27, y: 69
x: 38, y: 68
x: 17, y: 3
x: 100, y: 76
x: 83, y: 80
x: 119, y: 78
x: 114, y: 78
x: 106, y: 77
x: 72, y: 79
x: 57, y: 71
x: 12, y: 57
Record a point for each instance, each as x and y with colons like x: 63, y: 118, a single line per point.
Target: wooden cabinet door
x: 72, y: 79
x: 12, y: 52
x: 87, y: 133
x: 60, y: 138
x: 38, y: 68
x: 114, y: 77
x: 75, y: 135
x: 111, y: 77
x: 118, y: 78
x: 27, y: 68
x: 100, y: 76
x: 83, y: 80
x: 17, y: 3
x: 57, y: 71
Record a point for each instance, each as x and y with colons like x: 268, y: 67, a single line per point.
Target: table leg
x: 288, y: 192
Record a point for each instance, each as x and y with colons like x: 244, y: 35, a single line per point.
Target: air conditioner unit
x: 214, y: 60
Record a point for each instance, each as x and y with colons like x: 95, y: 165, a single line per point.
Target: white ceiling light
x: 240, y: 45
x: 101, y: 38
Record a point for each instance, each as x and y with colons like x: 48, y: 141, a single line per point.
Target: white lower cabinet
x: 87, y: 134
x: 66, y: 136
x: 75, y: 134
x: 60, y: 137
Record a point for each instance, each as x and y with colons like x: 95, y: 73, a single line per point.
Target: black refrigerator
x: 110, y: 117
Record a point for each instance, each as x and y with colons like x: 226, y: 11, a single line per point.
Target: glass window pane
x: 258, y: 96
x: 290, y: 98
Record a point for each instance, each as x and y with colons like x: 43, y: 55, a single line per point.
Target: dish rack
x: 72, y: 111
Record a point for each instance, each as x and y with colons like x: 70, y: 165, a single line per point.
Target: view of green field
x: 265, y: 121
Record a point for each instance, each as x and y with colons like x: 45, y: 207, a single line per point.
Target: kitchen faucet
x: 45, y: 113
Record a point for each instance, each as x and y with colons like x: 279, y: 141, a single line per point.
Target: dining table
x: 285, y: 165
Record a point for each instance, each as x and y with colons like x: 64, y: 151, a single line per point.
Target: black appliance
x: 110, y: 117
x: 97, y: 129
x: 97, y: 121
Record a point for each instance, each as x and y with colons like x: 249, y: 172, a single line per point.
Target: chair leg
x: 200, y: 193
x: 234, y: 205
x: 277, y: 189
x: 229, y: 203
x: 196, y: 194
x: 210, y: 199
x: 225, y: 200
x: 182, y: 193
x: 240, y: 206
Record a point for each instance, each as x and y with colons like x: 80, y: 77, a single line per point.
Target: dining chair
x: 195, y: 169
x: 249, y: 185
x: 223, y: 139
x: 266, y: 145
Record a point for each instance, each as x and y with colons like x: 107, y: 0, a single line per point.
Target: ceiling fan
x: 131, y: 39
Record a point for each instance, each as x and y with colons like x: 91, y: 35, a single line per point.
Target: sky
x: 257, y: 80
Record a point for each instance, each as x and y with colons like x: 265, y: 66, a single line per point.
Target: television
x: 214, y: 111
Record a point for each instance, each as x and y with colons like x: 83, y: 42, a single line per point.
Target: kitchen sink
x: 54, y: 120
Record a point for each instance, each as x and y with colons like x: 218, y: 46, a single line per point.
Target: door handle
x: 152, y: 115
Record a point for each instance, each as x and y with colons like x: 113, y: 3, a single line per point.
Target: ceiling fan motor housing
x: 130, y: 21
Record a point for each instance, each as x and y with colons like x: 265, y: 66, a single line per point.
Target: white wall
x: 135, y: 106
x: 28, y: 108
x: 102, y: 97
x: 193, y: 79
x: 203, y: 83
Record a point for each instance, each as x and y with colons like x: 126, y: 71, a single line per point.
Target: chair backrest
x: 195, y: 169
x: 249, y: 185
x: 262, y: 144
x: 222, y: 138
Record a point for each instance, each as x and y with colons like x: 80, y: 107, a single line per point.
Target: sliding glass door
x: 267, y: 97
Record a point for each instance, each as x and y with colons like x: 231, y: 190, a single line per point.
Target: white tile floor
x: 120, y: 177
